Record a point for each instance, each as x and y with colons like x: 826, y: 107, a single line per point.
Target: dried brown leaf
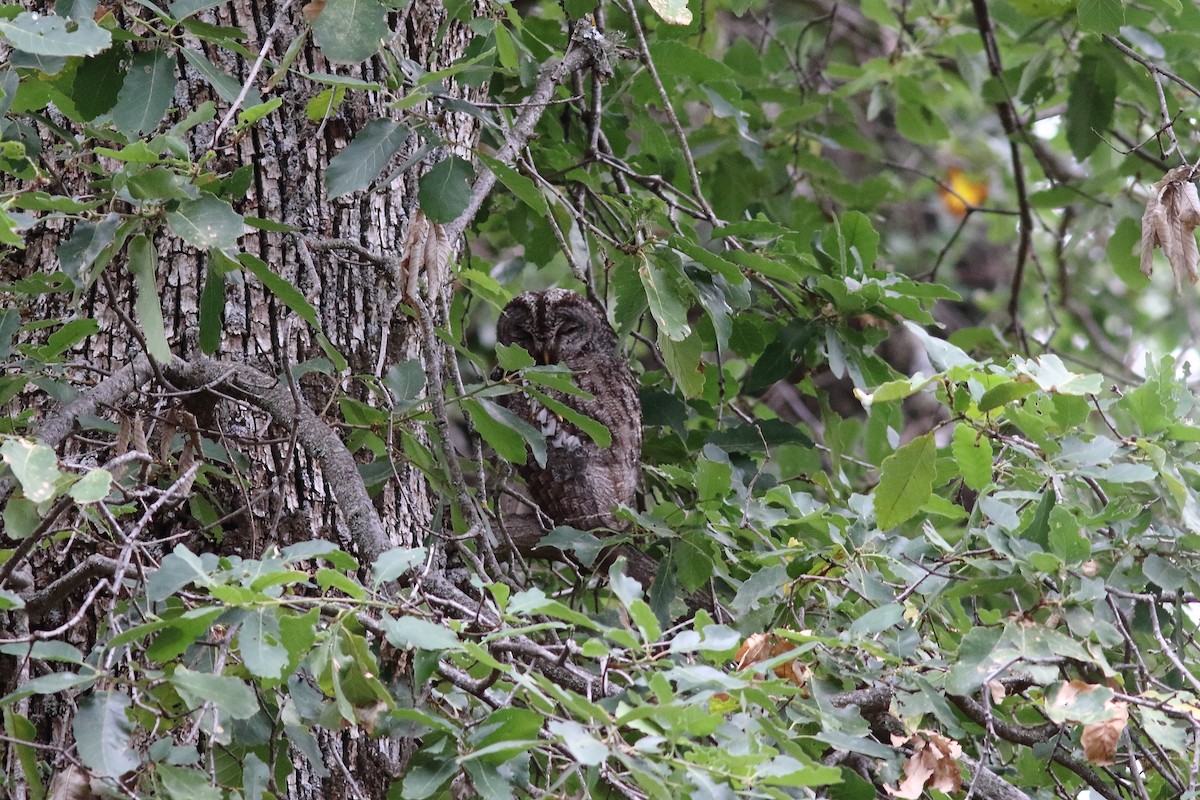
x: 998, y: 691
x: 72, y: 783
x: 947, y: 777
x: 1099, y: 739
x: 763, y: 646
x: 933, y: 765
x: 1171, y: 217
x: 312, y: 10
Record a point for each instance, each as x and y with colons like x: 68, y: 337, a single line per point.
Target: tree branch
x: 576, y: 58
x: 319, y: 440
x: 1029, y: 737
x: 120, y: 384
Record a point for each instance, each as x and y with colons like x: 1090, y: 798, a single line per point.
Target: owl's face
x: 555, y: 326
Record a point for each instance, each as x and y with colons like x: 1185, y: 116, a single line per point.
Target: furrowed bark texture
x: 278, y: 492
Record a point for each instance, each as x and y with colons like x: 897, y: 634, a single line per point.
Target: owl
x: 581, y: 482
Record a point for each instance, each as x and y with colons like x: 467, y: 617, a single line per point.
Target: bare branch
x: 576, y: 58
x: 319, y: 440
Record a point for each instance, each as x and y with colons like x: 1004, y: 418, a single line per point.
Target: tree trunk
x: 271, y: 488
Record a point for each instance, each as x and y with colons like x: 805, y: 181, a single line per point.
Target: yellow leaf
x: 961, y: 193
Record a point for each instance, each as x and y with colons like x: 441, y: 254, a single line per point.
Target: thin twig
x: 258, y: 62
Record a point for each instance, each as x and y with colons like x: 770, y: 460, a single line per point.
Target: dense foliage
x: 911, y: 407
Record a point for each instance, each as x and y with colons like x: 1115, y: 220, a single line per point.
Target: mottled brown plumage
x: 581, y: 482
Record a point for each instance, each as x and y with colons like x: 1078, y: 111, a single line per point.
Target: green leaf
x: 1004, y: 393
x: 331, y: 578
x: 176, y: 634
x: 595, y: 430
x: 513, y: 357
x: 87, y: 242
x: 143, y: 263
x: 11, y: 600
x: 207, y: 223
x: 255, y: 113
x: 905, y: 482
x: 160, y: 184
x: 361, y: 161
x: 877, y: 620
x: 47, y: 35
x: 212, y: 305
x: 9, y: 227
x: 325, y: 103
x: 260, y: 644
x: 426, y: 776
x: 524, y: 188
x: 181, y: 9
x: 1163, y: 573
x: 184, y: 783
x: 176, y: 570
x: 397, y: 561
x: 92, y: 487
x: 98, y: 82
x: 445, y: 190
x: 683, y: 362
x: 586, y: 749
x: 859, y: 235
x: 351, y: 31
x: 405, y: 380
x: 666, y: 304
x: 231, y: 695
x: 20, y: 518
x: 20, y: 729
x: 504, y: 734
x: 710, y: 261
x: 298, y: 632
x: 583, y: 545
x: 134, y: 153
x: 1066, y: 539
x: 673, y: 11
x: 407, y: 632
x: 1042, y: 8
x: 1101, y: 16
x: 1051, y: 375
x: 1092, y: 100
x: 35, y: 466
x: 973, y: 452
x: 1064, y: 703
x: 146, y: 93
x: 102, y: 734
x: 759, y: 436
x: 505, y: 432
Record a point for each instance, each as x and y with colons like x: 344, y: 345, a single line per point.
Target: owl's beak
x: 546, y: 355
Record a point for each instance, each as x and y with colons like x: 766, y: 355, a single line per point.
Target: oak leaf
x: 1172, y: 214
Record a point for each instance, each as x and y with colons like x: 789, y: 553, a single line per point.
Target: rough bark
x: 292, y: 486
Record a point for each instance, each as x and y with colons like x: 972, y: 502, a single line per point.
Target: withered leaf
x: 932, y: 765
x: 1099, y: 739
x: 312, y: 10
x: 763, y: 646
x: 1172, y: 214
